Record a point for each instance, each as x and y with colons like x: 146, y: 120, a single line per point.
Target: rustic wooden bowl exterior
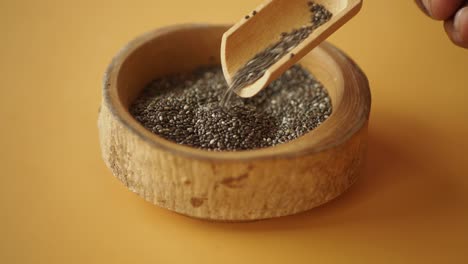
x: 230, y: 186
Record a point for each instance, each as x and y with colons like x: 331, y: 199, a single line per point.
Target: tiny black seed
x: 278, y: 114
x: 256, y: 67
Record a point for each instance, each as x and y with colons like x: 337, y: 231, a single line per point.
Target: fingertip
x: 442, y: 9
x: 457, y: 28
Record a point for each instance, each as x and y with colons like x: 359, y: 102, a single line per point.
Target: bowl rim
x: 121, y: 114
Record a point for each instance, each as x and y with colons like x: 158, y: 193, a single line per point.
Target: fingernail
x: 422, y: 7
x: 427, y: 6
x: 457, y: 20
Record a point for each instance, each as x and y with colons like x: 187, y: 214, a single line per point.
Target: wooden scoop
x: 264, y: 26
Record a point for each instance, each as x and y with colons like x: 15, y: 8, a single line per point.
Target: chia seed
x: 256, y: 67
x: 185, y: 108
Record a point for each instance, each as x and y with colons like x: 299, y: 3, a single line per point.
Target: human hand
x: 455, y: 16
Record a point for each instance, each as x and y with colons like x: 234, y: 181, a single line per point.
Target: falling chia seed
x: 256, y: 67
x: 185, y: 108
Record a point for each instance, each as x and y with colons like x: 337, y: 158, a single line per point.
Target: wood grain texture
x: 253, y: 34
x: 230, y: 186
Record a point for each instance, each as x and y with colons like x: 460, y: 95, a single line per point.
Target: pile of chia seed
x: 185, y: 108
x: 256, y: 67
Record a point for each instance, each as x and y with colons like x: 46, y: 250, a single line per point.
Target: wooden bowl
x: 230, y: 186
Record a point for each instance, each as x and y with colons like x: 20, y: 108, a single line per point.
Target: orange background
x: 60, y: 204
